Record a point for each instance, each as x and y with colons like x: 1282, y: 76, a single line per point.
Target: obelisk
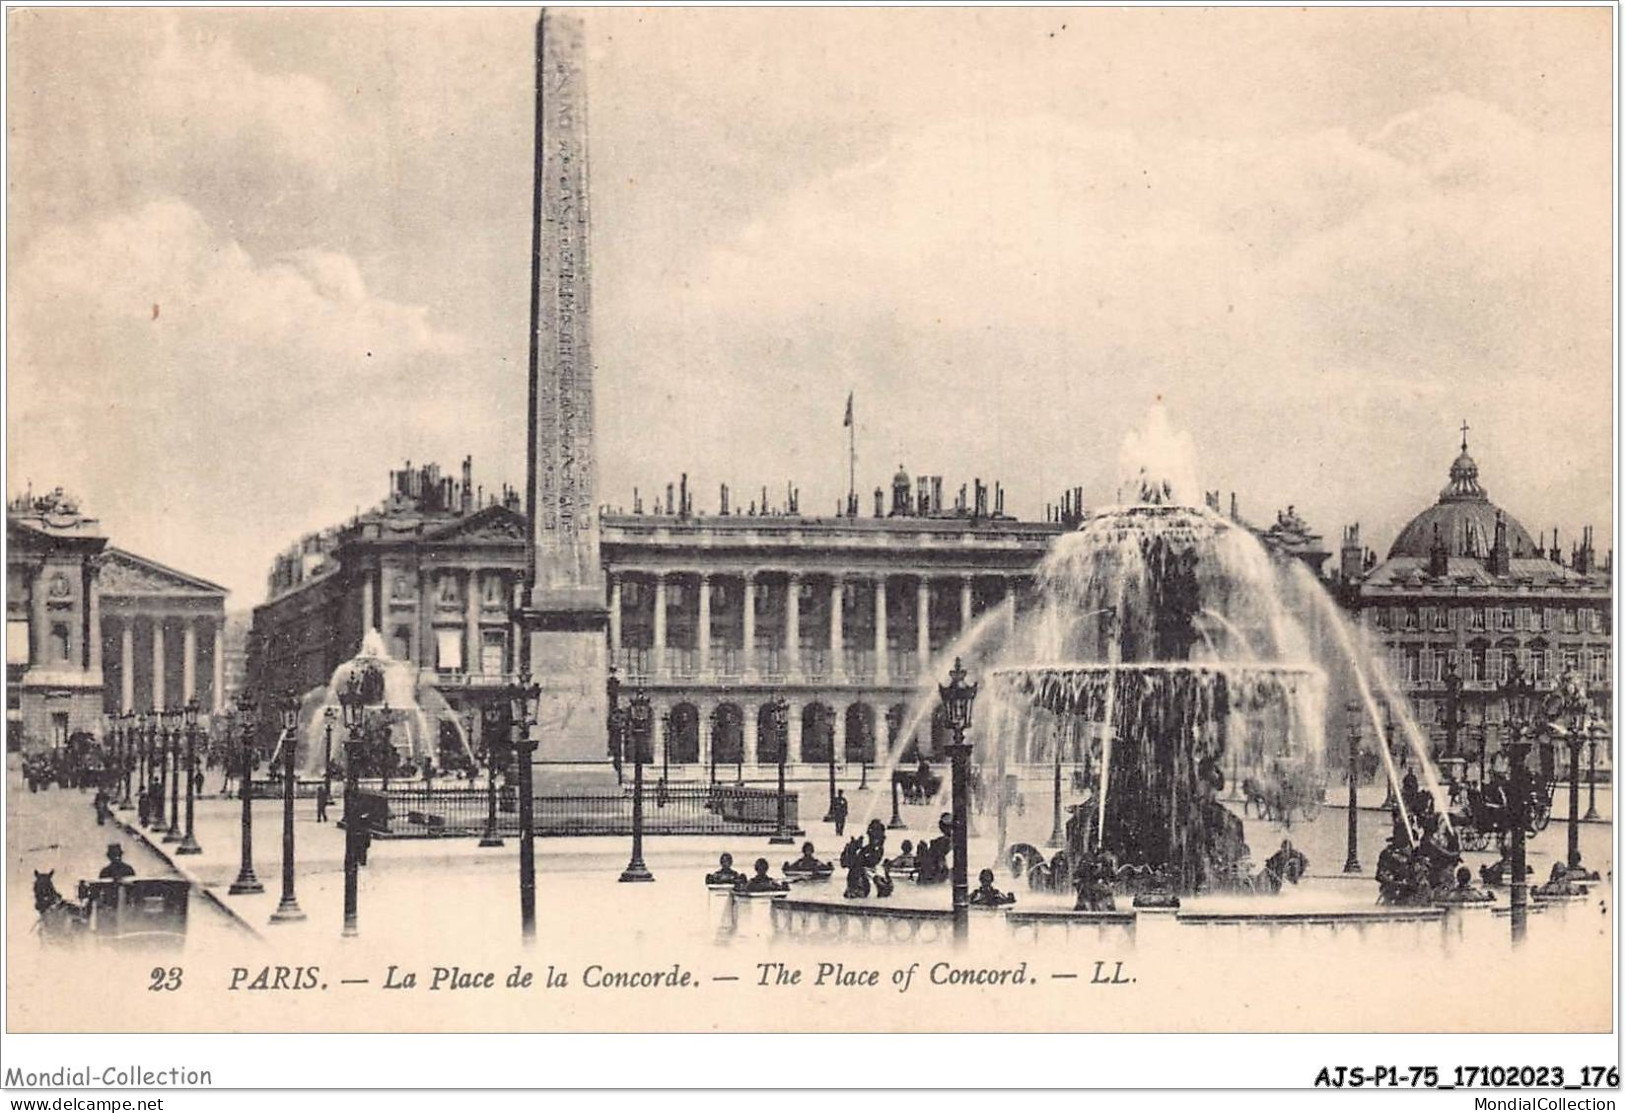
x: 564, y: 618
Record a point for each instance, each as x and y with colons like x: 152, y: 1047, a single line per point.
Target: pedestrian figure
x: 322, y: 795
x: 838, y: 812
x: 102, y: 810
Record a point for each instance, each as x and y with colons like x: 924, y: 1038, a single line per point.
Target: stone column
x: 369, y: 619
x: 40, y: 627
x: 838, y: 734
x: 471, y: 623
x: 964, y: 604
x: 658, y: 666
x: 188, y: 662
x: 837, y: 633
x: 158, y: 663
x: 704, y: 708
x: 747, y: 729
x: 218, y: 695
x: 614, y: 618
x: 922, y: 637
x: 749, y: 648
x: 126, y: 662
x: 93, y: 603
x: 703, y: 641
x: 882, y: 654
x: 792, y: 625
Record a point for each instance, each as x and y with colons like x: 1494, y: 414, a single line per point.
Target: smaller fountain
x: 808, y: 867
x: 864, y: 862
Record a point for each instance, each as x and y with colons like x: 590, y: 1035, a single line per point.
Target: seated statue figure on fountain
x: 936, y: 856
x: 986, y: 895
x: 762, y: 883
x: 807, y: 866
x: 725, y: 874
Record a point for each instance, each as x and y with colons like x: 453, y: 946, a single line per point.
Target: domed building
x: 1464, y: 593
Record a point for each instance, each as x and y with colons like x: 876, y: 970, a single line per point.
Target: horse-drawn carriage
x: 1486, y: 817
x: 136, y: 913
x: 1286, y: 793
x: 918, y: 786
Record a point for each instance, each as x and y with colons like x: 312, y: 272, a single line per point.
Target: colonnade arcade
x: 792, y: 626
x: 740, y: 731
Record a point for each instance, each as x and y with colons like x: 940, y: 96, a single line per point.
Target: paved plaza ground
x: 444, y: 902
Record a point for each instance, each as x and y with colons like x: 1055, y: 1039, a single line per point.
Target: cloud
x: 205, y: 394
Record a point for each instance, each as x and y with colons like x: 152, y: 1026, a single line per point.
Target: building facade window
x: 1594, y: 621
x: 400, y: 643
x: 1475, y: 618
x: 1505, y: 617
x: 1524, y: 618
x: 1412, y: 621
x: 493, y: 652
x: 446, y: 592
x: 1599, y: 666
x: 59, y: 643
x: 17, y: 641
x: 448, y: 644
x: 491, y: 593
x: 1571, y: 621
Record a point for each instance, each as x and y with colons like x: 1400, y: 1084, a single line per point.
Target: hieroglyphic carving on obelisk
x: 565, y: 562
x: 564, y: 619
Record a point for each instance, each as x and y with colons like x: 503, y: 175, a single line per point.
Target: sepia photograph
x: 839, y: 521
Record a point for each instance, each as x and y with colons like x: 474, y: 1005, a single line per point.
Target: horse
x: 59, y: 920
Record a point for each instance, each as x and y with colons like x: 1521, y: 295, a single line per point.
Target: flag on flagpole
x: 848, y: 420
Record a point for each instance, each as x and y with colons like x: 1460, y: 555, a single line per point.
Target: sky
x: 258, y: 258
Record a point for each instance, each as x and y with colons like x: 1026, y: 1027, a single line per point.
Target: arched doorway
x: 727, y: 734
x: 817, y: 733
x: 860, y: 733
x: 767, y: 737
x: 894, y: 726
x: 685, y: 735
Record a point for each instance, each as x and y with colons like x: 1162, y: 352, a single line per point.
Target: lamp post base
x: 781, y: 840
x: 1351, y: 865
x: 189, y: 845
x: 288, y: 912
x: 171, y: 836
x: 636, y: 871
x: 490, y: 841
x: 246, y: 883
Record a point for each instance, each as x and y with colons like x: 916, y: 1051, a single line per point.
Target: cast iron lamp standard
x: 1597, y: 730
x: 288, y: 911
x: 716, y: 724
x: 779, y: 716
x: 247, y: 719
x: 635, y: 869
x: 957, y: 698
x: 141, y: 752
x: 353, y: 708
x: 896, y: 823
x: 524, y: 708
x: 328, y: 716
x: 1351, y: 864
x: 493, y: 724
x: 132, y: 745
x: 828, y: 729
x: 172, y: 719
x: 1518, y: 693
x: 189, y: 843
x: 1572, y: 704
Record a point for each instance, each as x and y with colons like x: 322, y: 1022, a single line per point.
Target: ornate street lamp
x: 329, y: 715
x: 288, y: 911
x: 1598, y: 730
x: 640, y: 719
x: 494, y: 725
x: 1570, y: 707
x: 716, y: 733
x: 957, y: 698
x: 189, y: 844
x: 617, y: 724
x: 246, y: 718
x: 524, y: 710
x: 172, y: 720
x: 827, y: 728
x: 143, y: 751
x: 353, y: 708
x: 1518, y: 692
x: 666, y: 726
x: 1351, y: 864
x: 126, y: 721
x: 896, y: 823
x: 779, y: 717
